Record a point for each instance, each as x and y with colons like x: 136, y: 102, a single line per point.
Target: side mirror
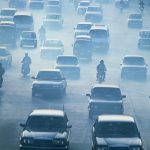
x: 88, y: 95
x: 22, y: 125
x: 69, y: 126
x: 123, y: 96
x: 33, y: 77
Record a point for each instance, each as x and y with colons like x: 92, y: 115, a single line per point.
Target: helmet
x: 101, y: 61
x: 26, y: 54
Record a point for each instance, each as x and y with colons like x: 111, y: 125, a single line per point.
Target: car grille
x: 43, y: 143
x: 118, y: 148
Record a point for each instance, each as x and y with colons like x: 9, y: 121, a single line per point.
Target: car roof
x: 99, y: 26
x: 47, y: 112
x: 105, y: 86
x: 133, y: 56
x: 23, y: 13
x: 84, y: 23
x: 115, y: 118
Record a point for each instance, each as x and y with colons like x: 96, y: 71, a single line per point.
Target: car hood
x: 47, y: 82
x: 119, y: 141
x: 43, y: 135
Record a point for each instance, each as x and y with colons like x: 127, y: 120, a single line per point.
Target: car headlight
x: 58, y: 142
x: 102, y: 148
x: 27, y: 141
x: 135, y: 148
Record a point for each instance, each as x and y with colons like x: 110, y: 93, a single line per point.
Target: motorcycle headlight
x: 135, y: 148
x: 102, y: 148
x: 27, y: 141
x: 58, y: 142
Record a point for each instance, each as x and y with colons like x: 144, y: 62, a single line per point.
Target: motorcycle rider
x: 26, y: 61
x: 2, y: 71
x: 101, y: 69
x: 42, y: 34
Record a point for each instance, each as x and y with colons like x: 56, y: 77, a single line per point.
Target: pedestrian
x: 2, y: 71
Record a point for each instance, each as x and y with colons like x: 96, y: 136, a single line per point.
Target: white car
x: 94, y: 13
x: 53, y: 21
x: 133, y: 67
x: 52, y: 48
x: 69, y: 66
x: 82, y: 28
x: 82, y: 7
x: 135, y: 20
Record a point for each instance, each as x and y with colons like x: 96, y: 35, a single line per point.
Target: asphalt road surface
x: 16, y: 101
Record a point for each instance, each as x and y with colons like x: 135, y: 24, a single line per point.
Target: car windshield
x: 82, y: 44
x: 106, y: 93
x: 133, y: 61
x: 144, y: 34
x: 53, y: 43
x: 45, y: 123
x: 97, y: 9
x: 83, y: 26
x: 135, y: 16
x: 49, y: 75
x: 84, y: 3
x: 23, y: 19
x: 67, y: 61
x: 7, y: 12
x: 116, y: 130
x: 53, y: 17
x: 3, y: 52
x: 97, y: 33
x: 28, y: 35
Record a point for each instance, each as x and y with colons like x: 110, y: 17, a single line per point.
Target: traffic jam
x: 74, y: 74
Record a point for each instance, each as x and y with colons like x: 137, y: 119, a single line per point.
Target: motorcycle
x: 101, y: 76
x: 25, y: 69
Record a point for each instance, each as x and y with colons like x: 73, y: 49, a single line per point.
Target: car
x: 82, y: 6
x: 28, y: 39
x: 100, y: 37
x: 7, y: 14
x: 105, y: 99
x: 5, y: 57
x: 36, y: 4
x: 51, y: 48
x: 126, y: 3
x: 94, y: 13
x: 49, y: 82
x: 69, y: 66
x: 24, y: 21
x: 53, y: 20
x: 83, y: 47
x: 54, y: 6
x: 82, y: 28
x: 144, y: 39
x: 116, y: 132
x: 133, y: 67
x: 45, y: 129
x: 135, y: 20
x: 19, y: 4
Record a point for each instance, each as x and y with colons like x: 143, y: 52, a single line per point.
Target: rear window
x: 21, y: 19
x: 67, y: 60
x: 99, y: 33
x: 134, y: 61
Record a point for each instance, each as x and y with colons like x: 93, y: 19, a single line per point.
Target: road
x: 15, y: 96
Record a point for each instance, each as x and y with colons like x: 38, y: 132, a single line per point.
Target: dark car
x: 82, y: 47
x: 105, y: 99
x: 5, y: 57
x: 45, y: 129
x: 36, y: 4
x: 28, y: 39
x: 116, y: 132
x: 144, y: 39
x: 49, y: 82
